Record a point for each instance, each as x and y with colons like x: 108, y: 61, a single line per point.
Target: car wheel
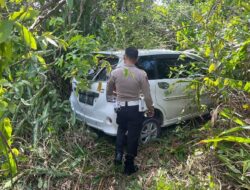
x: 150, y: 130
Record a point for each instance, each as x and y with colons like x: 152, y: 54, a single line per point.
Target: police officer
x: 127, y: 83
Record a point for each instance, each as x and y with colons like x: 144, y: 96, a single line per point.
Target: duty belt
x: 129, y: 103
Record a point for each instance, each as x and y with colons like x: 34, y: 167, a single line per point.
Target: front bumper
x: 97, y: 118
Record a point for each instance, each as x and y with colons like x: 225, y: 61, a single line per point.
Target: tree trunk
x: 120, y: 5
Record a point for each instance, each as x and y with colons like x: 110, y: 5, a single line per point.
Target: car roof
x: 148, y: 52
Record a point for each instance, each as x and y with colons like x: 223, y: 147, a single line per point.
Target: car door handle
x: 163, y: 85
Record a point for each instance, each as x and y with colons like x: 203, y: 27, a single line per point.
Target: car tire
x: 150, y: 130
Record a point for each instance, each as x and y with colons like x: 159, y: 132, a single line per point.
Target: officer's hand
x: 150, y: 113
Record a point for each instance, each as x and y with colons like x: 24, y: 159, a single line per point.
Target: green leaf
x: 16, y: 1
x: 8, y: 128
x: 5, y: 29
x: 235, y: 129
x: 4, y: 82
x: 13, y: 165
x: 2, y: 3
x: 211, y: 68
x: 3, y: 105
x: 5, y: 167
x: 63, y: 44
x: 247, y: 87
x: 125, y: 72
x: 15, y: 151
x: 70, y: 3
x: 12, y: 107
x: 239, y: 121
x: 51, y: 41
x: 246, y: 166
x: 207, y: 51
x: 2, y: 91
x: 226, y: 113
x: 197, y: 16
x: 227, y: 138
x: 28, y: 36
x: 229, y: 164
x: 24, y: 14
x: 42, y: 61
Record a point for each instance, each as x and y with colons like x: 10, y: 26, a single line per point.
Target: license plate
x: 87, y: 97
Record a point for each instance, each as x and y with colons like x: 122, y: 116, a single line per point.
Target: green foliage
x: 33, y: 63
x: 140, y: 26
x: 2, y: 3
x: 5, y: 28
x: 8, y: 163
x: 79, y: 59
x: 24, y: 14
x: 43, y: 46
x: 222, y: 36
x: 195, y: 184
x: 27, y: 36
x: 237, y: 162
x: 227, y: 138
x: 18, y: 62
x: 70, y: 3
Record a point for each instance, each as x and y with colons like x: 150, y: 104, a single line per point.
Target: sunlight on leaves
x: 211, y: 68
x: 28, y: 36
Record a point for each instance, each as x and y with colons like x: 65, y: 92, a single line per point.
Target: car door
x: 169, y: 92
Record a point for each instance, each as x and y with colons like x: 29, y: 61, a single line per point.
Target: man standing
x: 129, y: 82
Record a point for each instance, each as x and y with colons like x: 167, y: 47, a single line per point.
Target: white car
x: 173, y: 101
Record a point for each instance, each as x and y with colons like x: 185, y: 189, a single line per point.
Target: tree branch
x: 49, y: 13
x: 81, y: 11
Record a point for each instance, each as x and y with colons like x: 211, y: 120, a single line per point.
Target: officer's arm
x: 146, y: 92
x: 110, y: 87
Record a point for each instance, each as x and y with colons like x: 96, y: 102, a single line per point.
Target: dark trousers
x: 129, y: 121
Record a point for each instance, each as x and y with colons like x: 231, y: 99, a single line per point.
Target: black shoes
x: 130, y: 167
x: 118, y: 158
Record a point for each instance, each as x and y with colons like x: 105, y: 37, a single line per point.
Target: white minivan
x: 173, y: 101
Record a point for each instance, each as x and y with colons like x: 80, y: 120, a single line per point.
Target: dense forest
x: 45, y: 43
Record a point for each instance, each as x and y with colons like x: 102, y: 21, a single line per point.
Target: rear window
x: 102, y: 75
x: 166, y: 66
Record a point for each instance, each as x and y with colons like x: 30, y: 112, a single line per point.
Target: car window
x: 165, y: 66
x: 111, y: 60
x: 186, y: 67
x: 149, y: 65
x: 102, y: 75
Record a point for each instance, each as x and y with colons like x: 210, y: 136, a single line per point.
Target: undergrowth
x: 80, y: 158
